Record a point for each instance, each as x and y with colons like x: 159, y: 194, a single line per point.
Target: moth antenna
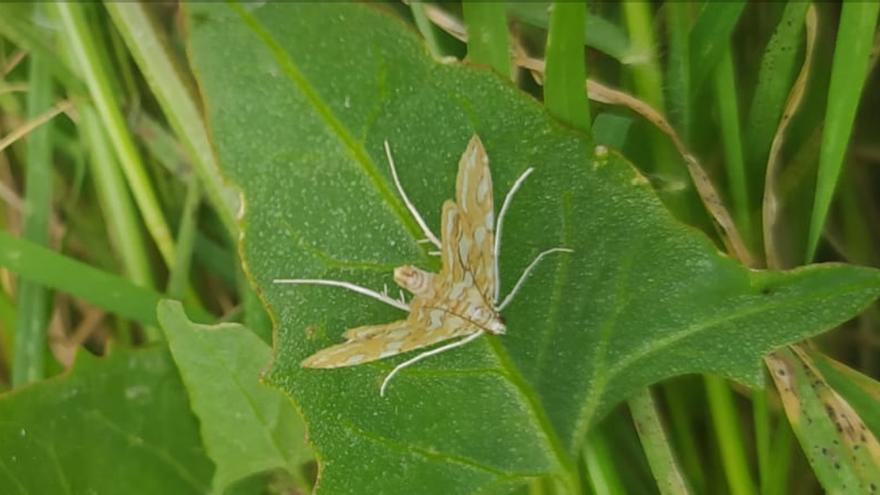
x: 500, y: 223
x: 402, y: 297
x: 412, y: 209
x: 527, y: 272
x: 426, y: 354
x: 345, y: 285
x: 384, y: 289
x: 434, y: 253
x: 422, y: 241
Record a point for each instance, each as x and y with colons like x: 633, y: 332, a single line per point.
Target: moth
x: 461, y: 301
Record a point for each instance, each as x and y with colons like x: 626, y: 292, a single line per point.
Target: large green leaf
x: 247, y: 426
x: 113, y: 425
x: 300, y: 99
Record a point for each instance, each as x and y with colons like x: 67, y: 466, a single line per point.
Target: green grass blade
x: 488, y: 39
x: 710, y: 38
x: 775, y: 76
x: 855, y: 37
x: 564, y: 93
x: 731, y: 139
x: 425, y: 27
x: 599, y: 33
x: 94, y: 65
x: 678, y: 71
x: 178, y: 280
x: 116, y: 295
x: 33, y: 298
x: 729, y: 436
x: 647, y: 78
x: 664, y: 466
x: 604, y: 478
x: 123, y: 225
x: 153, y: 56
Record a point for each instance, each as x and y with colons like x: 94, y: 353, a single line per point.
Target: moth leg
x: 426, y: 354
x: 527, y: 272
x: 346, y: 285
x: 500, y: 223
x: 412, y: 209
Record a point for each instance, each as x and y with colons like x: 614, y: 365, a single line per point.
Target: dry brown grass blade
x: 770, y: 208
x: 34, y: 123
x: 711, y: 199
x: 13, y: 62
x: 730, y: 235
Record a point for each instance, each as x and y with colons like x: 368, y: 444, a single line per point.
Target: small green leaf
x: 116, y: 424
x: 248, y: 427
x: 641, y: 299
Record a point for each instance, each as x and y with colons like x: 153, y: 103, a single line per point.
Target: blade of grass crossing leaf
x: 775, y: 76
x: 855, y: 39
x: 710, y: 38
x: 93, y: 63
x: 678, y: 79
x: 648, y: 83
x: 728, y: 112
x: 603, y: 476
x: 488, y: 39
x: 154, y: 57
x: 564, y: 93
x: 599, y: 33
x: 33, y: 298
x: 664, y: 466
x: 122, y: 222
x: 59, y: 272
x: 773, y: 200
x: 425, y: 27
x: 179, y: 277
x: 729, y: 436
x: 645, y: 67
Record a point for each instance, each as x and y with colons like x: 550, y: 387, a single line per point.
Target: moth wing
x: 372, y: 342
x: 473, y: 195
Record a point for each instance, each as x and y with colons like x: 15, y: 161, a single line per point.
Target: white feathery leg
x: 500, y: 223
x: 528, y: 271
x: 426, y: 354
x: 412, y: 209
x: 345, y: 285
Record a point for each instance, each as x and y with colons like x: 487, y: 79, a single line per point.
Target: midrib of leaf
x: 585, y: 417
x: 533, y: 402
x: 598, y: 377
x: 370, y: 169
x: 324, y: 112
x: 558, y: 288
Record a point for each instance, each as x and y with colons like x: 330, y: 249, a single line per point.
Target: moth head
x: 414, y: 279
x: 497, y: 325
